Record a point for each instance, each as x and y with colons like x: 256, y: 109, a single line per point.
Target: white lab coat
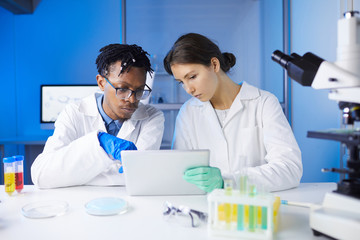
x: 73, y: 155
x: 256, y: 137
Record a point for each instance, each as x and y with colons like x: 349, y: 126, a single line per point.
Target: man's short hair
x: 129, y: 55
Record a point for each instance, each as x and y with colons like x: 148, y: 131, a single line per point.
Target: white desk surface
x: 143, y: 221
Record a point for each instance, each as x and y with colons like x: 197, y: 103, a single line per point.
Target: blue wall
x: 57, y: 44
x: 8, y: 117
x: 271, y: 39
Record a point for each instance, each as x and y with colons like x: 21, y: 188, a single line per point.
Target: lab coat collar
x: 140, y: 113
x: 130, y: 124
x: 247, y: 92
x: 88, y: 106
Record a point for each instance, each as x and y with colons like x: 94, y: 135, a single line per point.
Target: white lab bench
x: 144, y: 220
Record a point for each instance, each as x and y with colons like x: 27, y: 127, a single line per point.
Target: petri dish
x: 45, y: 209
x: 106, y: 206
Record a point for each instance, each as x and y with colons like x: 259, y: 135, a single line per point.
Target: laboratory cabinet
x: 168, y: 96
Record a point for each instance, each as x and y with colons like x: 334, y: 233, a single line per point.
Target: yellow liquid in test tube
x: 246, y: 214
x: 234, y: 213
x: 221, y: 213
x: 259, y: 214
x: 227, y: 210
x: 227, y: 206
x: 9, y: 182
x: 227, y: 213
x: 276, y: 213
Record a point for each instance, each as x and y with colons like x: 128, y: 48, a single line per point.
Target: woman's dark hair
x: 129, y: 55
x: 196, y: 48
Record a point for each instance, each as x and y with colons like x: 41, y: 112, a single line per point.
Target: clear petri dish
x: 106, y: 206
x: 45, y: 209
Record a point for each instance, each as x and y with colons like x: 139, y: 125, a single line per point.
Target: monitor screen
x: 55, y: 97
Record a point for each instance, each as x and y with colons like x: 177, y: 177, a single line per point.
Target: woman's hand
x: 205, y: 178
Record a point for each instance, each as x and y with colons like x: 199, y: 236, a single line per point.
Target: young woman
x: 244, y: 127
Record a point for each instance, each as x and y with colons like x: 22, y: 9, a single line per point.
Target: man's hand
x: 113, y: 145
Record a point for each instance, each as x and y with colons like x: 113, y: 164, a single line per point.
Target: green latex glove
x: 205, y: 178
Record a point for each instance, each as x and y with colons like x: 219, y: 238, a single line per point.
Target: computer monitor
x: 53, y: 99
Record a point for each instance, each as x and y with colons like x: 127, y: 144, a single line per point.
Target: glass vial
x: 9, y: 175
x: 19, y: 172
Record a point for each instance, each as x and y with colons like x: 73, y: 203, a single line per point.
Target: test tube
x: 228, y: 186
x: 240, y: 207
x: 276, y: 206
x: 240, y: 217
x: 264, y: 218
x: 227, y: 206
x: 246, y: 216
x: 9, y: 175
x: 220, y: 214
x: 252, y: 210
x: 19, y: 172
x: 234, y: 216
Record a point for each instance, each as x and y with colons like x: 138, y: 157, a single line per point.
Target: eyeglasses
x: 125, y: 93
x: 184, y: 215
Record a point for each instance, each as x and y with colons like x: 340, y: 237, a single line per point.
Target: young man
x: 89, y: 136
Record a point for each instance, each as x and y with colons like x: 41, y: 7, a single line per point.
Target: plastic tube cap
x: 19, y: 158
x: 8, y: 160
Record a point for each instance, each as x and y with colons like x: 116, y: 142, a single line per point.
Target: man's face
x: 114, y: 107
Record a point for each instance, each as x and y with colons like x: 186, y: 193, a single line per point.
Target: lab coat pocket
x: 238, y: 166
x: 250, y: 146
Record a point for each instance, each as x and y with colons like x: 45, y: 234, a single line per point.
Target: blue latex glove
x: 113, y: 145
x: 205, y: 178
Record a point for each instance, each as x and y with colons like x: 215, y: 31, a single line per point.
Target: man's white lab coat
x: 73, y: 155
x: 256, y: 137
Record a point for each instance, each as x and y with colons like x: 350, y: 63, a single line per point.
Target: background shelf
x: 167, y: 106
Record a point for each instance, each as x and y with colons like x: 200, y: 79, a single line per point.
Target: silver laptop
x: 160, y: 172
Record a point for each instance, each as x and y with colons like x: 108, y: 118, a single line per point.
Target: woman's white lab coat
x: 73, y: 155
x: 256, y: 136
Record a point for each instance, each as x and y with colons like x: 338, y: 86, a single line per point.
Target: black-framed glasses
x: 184, y: 215
x: 125, y: 93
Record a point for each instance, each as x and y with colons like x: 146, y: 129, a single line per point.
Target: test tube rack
x: 242, y: 215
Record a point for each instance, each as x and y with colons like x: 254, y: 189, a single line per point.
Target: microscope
x: 339, y: 215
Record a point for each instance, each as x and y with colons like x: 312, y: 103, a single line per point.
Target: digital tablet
x: 160, y: 172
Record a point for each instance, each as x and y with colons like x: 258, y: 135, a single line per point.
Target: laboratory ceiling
x: 20, y: 6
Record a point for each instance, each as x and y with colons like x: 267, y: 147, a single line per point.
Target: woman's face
x: 198, y: 80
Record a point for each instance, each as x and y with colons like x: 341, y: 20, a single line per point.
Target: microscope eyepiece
x: 300, y: 68
x: 281, y: 58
